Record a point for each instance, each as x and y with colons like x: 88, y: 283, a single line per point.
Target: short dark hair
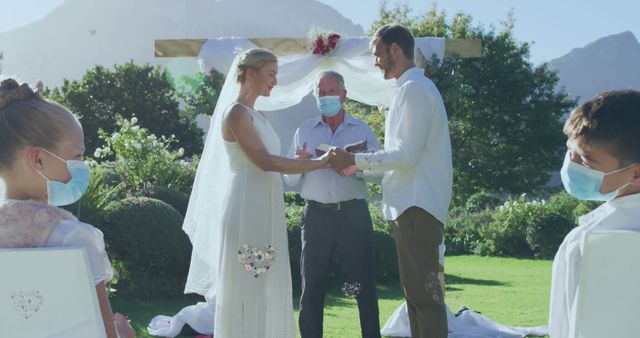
x: 611, y: 119
x: 394, y: 32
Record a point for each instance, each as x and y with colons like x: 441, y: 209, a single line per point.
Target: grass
x: 514, y: 292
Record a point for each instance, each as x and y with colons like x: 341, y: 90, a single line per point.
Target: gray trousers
x: 347, y: 228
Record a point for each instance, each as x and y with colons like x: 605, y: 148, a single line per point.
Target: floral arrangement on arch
x: 322, y: 42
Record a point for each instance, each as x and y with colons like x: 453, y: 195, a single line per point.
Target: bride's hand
x: 123, y: 326
x: 325, y: 159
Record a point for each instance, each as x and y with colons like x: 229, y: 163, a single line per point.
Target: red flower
x: 320, y: 47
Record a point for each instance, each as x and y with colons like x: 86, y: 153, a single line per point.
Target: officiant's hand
x: 342, y: 160
x: 302, y: 153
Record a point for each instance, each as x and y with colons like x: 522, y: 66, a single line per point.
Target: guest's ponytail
x: 28, y: 119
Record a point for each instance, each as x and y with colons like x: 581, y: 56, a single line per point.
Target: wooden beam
x: 464, y: 48
x: 288, y: 46
x: 178, y: 47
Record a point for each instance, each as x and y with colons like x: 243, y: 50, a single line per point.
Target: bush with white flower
x: 144, y: 160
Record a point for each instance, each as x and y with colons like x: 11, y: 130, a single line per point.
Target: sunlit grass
x: 514, y: 292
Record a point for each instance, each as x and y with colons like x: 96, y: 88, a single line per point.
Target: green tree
x: 144, y: 92
x: 504, y: 113
x: 199, y: 93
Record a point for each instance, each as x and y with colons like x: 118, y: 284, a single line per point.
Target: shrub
x: 546, y: 231
x: 293, y: 198
x: 174, y: 198
x: 384, y: 247
x: 103, y: 189
x: 385, y: 261
x: 506, y: 234
x: 462, y: 234
x: 143, y: 160
x: 483, y: 200
x: 128, y: 90
x: 144, y: 235
x: 293, y: 219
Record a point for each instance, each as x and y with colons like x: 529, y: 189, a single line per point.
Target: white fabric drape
x: 209, y: 197
x: 291, y: 101
x: 352, y: 59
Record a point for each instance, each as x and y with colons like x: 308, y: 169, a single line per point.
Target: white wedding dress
x: 253, y: 294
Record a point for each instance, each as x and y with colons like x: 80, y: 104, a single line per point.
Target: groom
x: 418, y: 177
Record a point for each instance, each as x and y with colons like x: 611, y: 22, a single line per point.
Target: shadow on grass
x: 453, y: 279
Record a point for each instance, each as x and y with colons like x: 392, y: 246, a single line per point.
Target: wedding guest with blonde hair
x: 41, y: 152
x: 236, y: 216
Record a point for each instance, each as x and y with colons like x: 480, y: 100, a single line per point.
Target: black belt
x: 335, y: 206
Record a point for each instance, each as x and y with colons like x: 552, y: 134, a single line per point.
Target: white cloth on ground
x: 199, y: 317
x: 468, y: 324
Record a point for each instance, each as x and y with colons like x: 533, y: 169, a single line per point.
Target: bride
x: 236, y: 216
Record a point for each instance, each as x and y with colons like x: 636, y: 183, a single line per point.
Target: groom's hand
x: 342, y: 160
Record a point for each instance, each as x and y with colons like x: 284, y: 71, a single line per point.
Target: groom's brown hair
x: 395, y: 33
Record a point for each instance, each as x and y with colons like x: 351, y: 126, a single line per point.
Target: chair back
x: 48, y: 293
x: 608, y: 293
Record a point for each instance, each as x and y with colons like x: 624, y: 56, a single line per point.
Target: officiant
x: 336, y: 215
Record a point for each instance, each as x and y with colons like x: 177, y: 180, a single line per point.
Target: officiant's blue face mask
x: 584, y: 183
x: 329, y: 105
x: 60, y: 193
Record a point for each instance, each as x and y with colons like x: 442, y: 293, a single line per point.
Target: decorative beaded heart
x: 351, y: 290
x: 256, y: 261
x: 27, y: 303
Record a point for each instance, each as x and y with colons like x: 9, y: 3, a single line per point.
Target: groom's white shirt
x: 417, y: 150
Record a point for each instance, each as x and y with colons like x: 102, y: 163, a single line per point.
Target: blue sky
x: 554, y: 26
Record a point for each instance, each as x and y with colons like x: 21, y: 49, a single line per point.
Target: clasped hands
x: 337, y: 158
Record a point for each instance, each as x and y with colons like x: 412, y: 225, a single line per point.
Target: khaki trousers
x: 418, y: 235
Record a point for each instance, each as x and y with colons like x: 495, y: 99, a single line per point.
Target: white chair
x: 48, y: 293
x: 608, y: 293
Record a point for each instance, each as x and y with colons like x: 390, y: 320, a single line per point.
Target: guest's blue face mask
x: 329, y: 105
x: 59, y: 193
x: 584, y: 183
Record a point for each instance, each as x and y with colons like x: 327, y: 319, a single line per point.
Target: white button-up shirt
x: 326, y: 185
x: 619, y: 214
x: 416, y: 159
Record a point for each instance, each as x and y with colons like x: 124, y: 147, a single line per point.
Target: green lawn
x: 514, y: 292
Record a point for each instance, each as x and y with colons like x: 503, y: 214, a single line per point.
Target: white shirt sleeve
x: 293, y: 179
x: 77, y: 234
x: 412, y: 113
x: 373, y: 145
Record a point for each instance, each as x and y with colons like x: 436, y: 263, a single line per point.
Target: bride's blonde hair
x: 253, y: 58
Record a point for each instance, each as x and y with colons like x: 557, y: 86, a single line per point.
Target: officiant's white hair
x: 253, y: 58
x: 332, y: 73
